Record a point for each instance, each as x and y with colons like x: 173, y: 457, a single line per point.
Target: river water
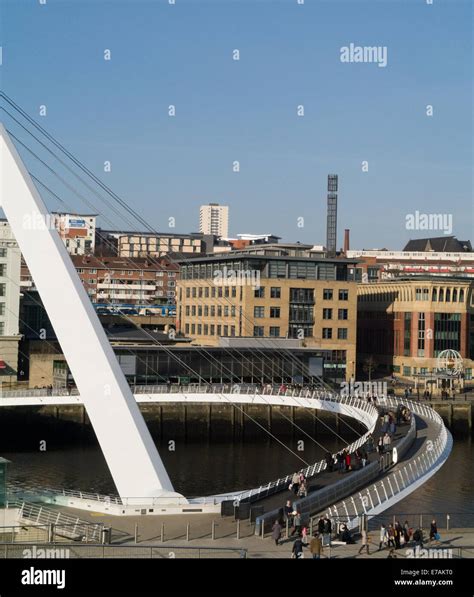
x: 198, y: 469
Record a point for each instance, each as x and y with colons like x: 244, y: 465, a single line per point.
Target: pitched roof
x: 439, y: 244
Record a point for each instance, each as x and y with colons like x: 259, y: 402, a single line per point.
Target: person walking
x: 327, y: 531
x: 365, y: 542
x: 296, y: 524
x: 316, y: 546
x: 391, y: 536
x: 434, y: 531
x: 276, y: 532
x: 288, y: 511
x: 295, y: 483
x: 320, y: 526
x: 297, y: 551
x: 383, y: 537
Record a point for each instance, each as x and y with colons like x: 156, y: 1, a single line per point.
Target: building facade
x: 77, y: 231
x: 134, y: 281
x: 405, y: 325
x: 10, y: 263
x: 144, y: 244
x: 214, y: 219
x: 259, y: 296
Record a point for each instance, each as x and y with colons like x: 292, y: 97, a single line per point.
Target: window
x: 234, y: 291
x: 259, y: 312
x: 407, y: 335
x: 2, y: 289
x: 200, y: 311
x: 213, y: 310
x: 259, y: 292
x: 206, y: 311
x: 213, y: 329
x: 421, y: 335
x: 206, y: 292
x: 226, y: 292
x: 3, y: 269
x: 343, y: 295
x: 327, y: 294
x: 258, y: 331
x: 186, y: 328
x: 232, y: 330
x: 219, y: 330
x: 342, y: 313
x: 219, y: 311
x: 188, y: 292
x: 193, y: 310
x: 342, y: 333
x: 193, y: 328
x: 3, y: 252
x: 302, y: 295
x: 274, y: 332
x: 274, y: 312
x: 327, y: 313
x: 187, y: 311
x: 406, y: 371
x: 232, y: 311
x: 327, y: 333
x: 226, y: 330
x: 206, y: 329
x: 226, y: 311
x: 200, y: 291
x: 275, y: 292
x: 194, y: 292
x: 199, y: 329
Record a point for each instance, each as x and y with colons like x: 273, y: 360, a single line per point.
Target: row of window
x: 296, y: 332
x: 211, y: 291
x: 112, y: 272
x: 210, y: 310
x: 209, y: 329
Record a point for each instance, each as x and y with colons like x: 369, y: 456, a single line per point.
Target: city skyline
x: 246, y: 110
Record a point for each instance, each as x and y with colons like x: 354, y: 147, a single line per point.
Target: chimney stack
x: 331, y: 227
x: 346, y: 240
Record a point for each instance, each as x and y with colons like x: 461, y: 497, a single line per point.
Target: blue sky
x: 245, y: 110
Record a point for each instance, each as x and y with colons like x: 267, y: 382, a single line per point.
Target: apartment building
x: 144, y: 244
x: 404, y: 325
x: 135, y: 281
x: 77, y: 231
x: 313, y: 300
x: 214, y: 219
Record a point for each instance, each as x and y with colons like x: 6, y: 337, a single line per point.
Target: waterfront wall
x: 22, y: 425
x: 25, y: 426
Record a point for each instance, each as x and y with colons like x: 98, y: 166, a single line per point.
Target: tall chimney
x: 346, y: 240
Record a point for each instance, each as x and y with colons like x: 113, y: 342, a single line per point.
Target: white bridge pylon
x: 128, y: 448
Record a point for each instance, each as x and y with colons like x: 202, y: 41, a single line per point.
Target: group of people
x: 299, y: 485
x: 321, y: 537
x: 396, y: 535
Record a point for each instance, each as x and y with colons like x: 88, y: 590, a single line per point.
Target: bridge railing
x: 381, y: 494
x: 351, y: 406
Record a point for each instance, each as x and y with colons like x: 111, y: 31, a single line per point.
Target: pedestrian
x: 288, y: 512
x: 406, y: 531
x: 365, y: 542
x: 396, y: 536
x: 320, y: 526
x: 329, y: 462
x: 297, y: 551
x: 295, y: 483
x: 276, y: 532
x: 348, y: 461
x: 296, y: 524
x: 386, y: 442
x: 434, y: 531
x: 383, y: 537
x: 364, y: 457
x: 380, y: 445
x: 327, y: 531
x: 316, y: 546
x: 391, y: 536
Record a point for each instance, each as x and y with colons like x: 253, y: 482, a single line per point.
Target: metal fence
x: 80, y: 551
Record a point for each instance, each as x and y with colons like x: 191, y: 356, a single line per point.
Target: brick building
x: 313, y: 300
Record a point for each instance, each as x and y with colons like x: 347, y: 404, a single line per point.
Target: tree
x: 370, y: 364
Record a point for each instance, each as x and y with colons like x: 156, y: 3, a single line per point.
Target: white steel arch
x: 127, y: 445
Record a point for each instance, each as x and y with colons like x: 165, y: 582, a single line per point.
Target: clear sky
x: 246, y: 110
